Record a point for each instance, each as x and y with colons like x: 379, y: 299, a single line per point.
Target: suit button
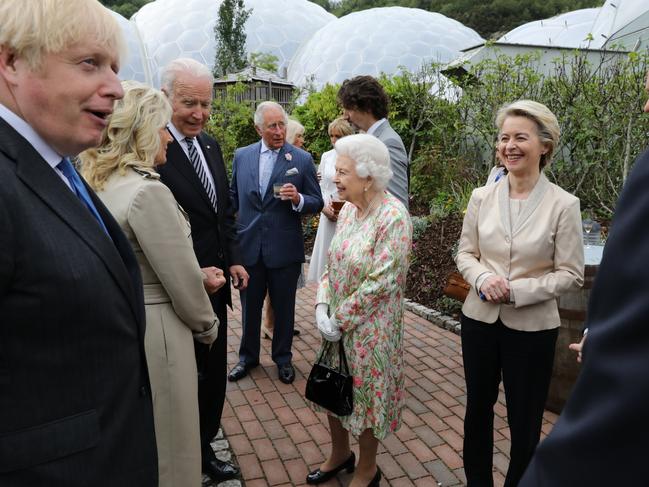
x: 507, y: 238
x: 143, y: 391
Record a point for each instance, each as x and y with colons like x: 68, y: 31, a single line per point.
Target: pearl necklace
x: 373, y: 204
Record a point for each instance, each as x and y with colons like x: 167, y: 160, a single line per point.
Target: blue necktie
x: 266, y: 163
x: 198, y: 167
x: 65, y: 166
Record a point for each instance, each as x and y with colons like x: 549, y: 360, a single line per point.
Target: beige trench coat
x: 177, y: 307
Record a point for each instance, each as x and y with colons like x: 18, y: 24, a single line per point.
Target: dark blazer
x: 214, y: 234
x: 75, y: 405
x: 602, y: 435
x: 267, y: 225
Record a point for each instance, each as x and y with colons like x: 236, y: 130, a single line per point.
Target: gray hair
x: 183, y: 66
x: 262, y: 107
x: 293, y: 129
x: 370, y: 156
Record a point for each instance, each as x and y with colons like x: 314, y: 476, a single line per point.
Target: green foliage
x: 316, y: 114
x: 263, y: 60
x: 448, y: 306
x: 124, y: 8
x: 419, y: 226
x: 230, y: 37
x: 231, y: 123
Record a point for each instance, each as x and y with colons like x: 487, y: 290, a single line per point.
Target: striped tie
x: 198, y: 167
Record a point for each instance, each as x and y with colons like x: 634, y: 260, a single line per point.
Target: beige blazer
x: 177, y: 310
x: 542, y: 255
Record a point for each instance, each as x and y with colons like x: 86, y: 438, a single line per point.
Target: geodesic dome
x: 622, y: 23
x: 185, y: 28
x: 571, y: 29
x: 136, y: 65
x: 378, y: 40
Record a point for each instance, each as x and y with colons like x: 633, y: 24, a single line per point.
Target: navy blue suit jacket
x: 75, y: 406
x: 268, y: 226
x: 602, y: 436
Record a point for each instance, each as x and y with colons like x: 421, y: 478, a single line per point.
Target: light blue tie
x: 266, y: 163
x: 65, y: 166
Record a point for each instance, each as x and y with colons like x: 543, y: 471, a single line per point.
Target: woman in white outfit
x: 339, y: 128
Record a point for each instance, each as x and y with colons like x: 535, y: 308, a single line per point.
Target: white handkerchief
x: 292, y: 172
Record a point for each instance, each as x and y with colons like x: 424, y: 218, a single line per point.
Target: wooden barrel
x: 572, y: 310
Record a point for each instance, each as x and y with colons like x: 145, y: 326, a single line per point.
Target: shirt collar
x: 374, y: 126
x: 265, y: 148
x: 37, y: 142
x: 176, y: 133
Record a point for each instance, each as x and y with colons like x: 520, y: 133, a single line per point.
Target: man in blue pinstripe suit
x: 270, y: 233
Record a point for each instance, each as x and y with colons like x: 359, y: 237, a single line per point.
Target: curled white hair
x: 371, y: 157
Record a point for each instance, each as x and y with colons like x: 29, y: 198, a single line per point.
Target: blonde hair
x: 293, y: 129
x: 132, y: 138
x: 33, y: 28
x: 340, y: 125
x: 546, y: 122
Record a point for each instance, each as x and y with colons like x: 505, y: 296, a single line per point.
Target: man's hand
x: 213, y: 279
x: 328, y: 211
x: 289, y: 192
x: 495, y: 289
x: 239, y: 277
x: 577, y: 347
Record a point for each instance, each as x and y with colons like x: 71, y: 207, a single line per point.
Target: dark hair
x: 365, y: 94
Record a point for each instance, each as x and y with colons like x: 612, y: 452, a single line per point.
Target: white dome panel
x: 135, y: 66
x: 379, y: 39
x: 174, y: 28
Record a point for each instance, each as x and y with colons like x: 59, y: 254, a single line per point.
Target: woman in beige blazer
x: 178, y: 310
x: 520, y: 249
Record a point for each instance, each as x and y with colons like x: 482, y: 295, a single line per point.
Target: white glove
x: 328, y: 327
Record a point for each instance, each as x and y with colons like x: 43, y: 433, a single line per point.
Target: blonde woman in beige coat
x: 521, y: 248
x: 178, y: 310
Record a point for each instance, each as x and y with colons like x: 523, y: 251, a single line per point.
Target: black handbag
x: 329, y: 387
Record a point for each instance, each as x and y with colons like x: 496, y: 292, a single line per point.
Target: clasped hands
x: 328, y: 327
x: 495, y: 289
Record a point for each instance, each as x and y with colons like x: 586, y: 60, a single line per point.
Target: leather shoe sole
x: 286, y: 373
x: 320, y: 477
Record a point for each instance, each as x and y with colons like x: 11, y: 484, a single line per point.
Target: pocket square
x: 292, y: 172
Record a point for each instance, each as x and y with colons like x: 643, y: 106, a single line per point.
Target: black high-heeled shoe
x: 376, y: 480
x: 319, y: 477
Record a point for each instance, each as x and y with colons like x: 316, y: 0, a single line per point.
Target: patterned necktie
x: 200, y: 171
x: 266, y: 164
x: 65, y: 166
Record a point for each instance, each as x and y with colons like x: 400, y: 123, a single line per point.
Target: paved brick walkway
x: 277, y: 439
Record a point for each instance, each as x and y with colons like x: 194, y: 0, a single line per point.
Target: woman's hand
x: 495, y: 289
x: 328, y: 211
x: 327, y: 326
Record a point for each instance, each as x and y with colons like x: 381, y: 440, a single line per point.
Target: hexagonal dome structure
x: 571, y: 29
x: 623, y: 23
x: 174, y: 28
x: 136, y: 66
x: 379, y: 40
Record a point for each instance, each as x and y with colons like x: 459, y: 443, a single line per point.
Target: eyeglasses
x: 276, y: 125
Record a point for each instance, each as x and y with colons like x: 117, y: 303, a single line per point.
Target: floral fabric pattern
x: 364, y: 284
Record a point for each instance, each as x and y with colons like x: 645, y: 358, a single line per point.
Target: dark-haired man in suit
x: 196, y: 175
x: 602, y: 435
x: 75, y: 401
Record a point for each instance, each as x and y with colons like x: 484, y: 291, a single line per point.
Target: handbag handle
x: 342, y: 356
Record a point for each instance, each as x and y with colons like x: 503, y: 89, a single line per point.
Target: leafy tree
x: 230, y: 37
x: 263, y: 60
x: 125, y: 8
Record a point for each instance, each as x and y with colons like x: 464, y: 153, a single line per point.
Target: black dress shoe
x: 220, y: 471
x: 239, y: 371
x: 375, y: 482
x: 286, y: 373
x: 319, y: 477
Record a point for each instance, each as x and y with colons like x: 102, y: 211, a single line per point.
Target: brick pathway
x: 277, y: 439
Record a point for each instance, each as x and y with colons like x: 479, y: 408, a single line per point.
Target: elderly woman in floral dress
x: 360, y: 300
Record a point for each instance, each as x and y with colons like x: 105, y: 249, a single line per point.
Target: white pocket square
x: 292, y: 172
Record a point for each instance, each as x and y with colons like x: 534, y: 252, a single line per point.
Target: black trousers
x: 524, y: 361
x: 212, y: 381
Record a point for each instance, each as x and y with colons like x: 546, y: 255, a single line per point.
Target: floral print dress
x: 364, y: 284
